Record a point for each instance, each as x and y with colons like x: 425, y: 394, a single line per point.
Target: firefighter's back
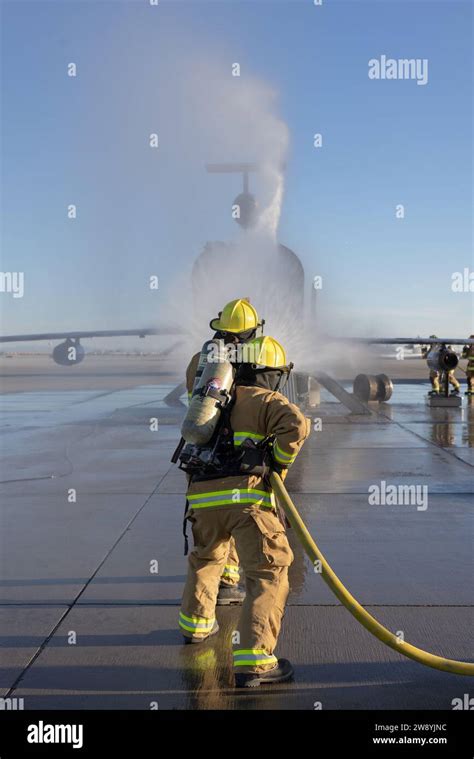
x: 256, y: 414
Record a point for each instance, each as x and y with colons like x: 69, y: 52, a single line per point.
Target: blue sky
x: 83, y: 140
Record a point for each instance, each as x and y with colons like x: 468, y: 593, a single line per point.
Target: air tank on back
x: 210, y: 393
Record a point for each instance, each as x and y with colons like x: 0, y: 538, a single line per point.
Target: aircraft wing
x: 412, y: 340
x: 92, y: 333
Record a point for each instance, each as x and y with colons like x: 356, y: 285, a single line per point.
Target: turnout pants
x: 265, y: 556
x: 434, y: 379
x: 231, y: 572
x: 452, y: 380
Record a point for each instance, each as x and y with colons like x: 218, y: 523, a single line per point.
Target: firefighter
x: 468, y: 352
x: 434, y: 374
x: 237, y: 323
x: 243, y: 507
x: 452, y: 380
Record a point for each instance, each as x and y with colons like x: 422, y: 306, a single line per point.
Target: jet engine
x: 69, y: 352
x: 442, y: 359
x: 248, y: 210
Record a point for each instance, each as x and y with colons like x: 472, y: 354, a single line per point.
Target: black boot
x: 280, y: 673
x: 197, y: 639
x: 230, y: 594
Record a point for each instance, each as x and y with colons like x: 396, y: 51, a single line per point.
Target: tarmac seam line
x: 425, y: 439
x: 71, y: 606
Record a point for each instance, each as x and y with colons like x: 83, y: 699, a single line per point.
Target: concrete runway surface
x: 83, y: 569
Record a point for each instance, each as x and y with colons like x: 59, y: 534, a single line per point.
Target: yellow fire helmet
x: 236, y: 317
x: 266, y: 352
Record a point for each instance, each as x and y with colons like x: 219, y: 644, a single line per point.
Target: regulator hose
x: 351, y: 604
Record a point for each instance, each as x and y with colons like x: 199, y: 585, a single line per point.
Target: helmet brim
x: 217, y: 326
x: 284, y: 369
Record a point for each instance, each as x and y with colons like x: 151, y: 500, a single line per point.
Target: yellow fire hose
x: 358, y: 611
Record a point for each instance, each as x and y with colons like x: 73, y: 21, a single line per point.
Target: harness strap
x: 185, y: 531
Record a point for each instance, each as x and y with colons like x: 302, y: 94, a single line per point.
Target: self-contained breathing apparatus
x: 223, y: 459
x: 206, y: 450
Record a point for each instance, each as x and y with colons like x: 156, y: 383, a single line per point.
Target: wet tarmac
x: 85, y: 624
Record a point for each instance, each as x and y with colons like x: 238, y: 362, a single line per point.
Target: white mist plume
x: 235, y: 120
x: 269, y: 217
